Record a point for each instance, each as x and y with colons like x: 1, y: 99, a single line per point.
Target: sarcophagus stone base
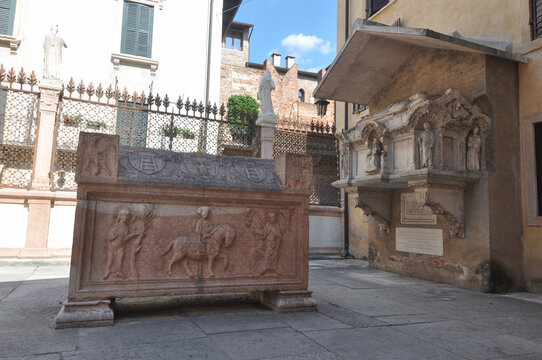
x: 159, y: 223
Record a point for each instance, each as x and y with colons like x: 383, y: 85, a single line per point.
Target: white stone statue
x: 52, y: 47
x: 474, y: 145
x: 426, y: 140
x: 267, y: 115
x: 373, y: 158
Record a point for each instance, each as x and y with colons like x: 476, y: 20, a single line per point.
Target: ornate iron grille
x: 18, y: 122
x: 149, y: 122
x: 318, y: 141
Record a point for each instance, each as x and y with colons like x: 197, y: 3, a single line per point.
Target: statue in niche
x: 52, y: 47
x: 116, y: 239
x: 345, y: 162
x: 208, y: 244
x: 373, y: 162
x: 426, y: 141
x: 474, y: 146
x: 264, y: 95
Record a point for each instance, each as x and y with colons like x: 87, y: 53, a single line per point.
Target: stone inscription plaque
x: 421, y: 241
x: 413, y: 213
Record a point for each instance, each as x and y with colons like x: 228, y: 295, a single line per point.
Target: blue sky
x: 305, y: 29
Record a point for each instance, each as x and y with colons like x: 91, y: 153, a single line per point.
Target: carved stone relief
x: 199, y: 169
x: 207, y: 244
x: 376, y: 204
x: 269, y: 228
x: 98, y: 155
x: 125, y: 234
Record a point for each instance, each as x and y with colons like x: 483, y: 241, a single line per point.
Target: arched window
x: 301, y: 95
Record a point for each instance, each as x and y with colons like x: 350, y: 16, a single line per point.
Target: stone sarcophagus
x: 159, y: 223
x: 431, y: 146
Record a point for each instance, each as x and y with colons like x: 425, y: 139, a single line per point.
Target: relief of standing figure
x: 272, y: 235
x: 426, y: 140
x: 474, y: 145
x: 116, y: 239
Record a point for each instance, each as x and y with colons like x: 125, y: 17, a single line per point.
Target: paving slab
x: 378, y: 343
x: 221, y: 323
x: 268, y: 343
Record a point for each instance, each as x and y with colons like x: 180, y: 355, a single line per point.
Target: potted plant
x: 242, y: 114
x: 96, y: 124
x: 72, y: 120
x: 187, y: 134
x: 169, y: 131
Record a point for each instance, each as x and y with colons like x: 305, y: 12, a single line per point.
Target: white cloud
x: 326, y: 48
x: 306, y: 43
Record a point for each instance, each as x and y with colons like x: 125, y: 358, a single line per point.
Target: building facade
x: 293, y: 98
x: 485, y: 58
x: 147, y: 46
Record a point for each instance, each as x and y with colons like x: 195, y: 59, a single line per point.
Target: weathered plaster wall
x: 464, y: 262
x: 469, y: 17
x: 358, y: 230
x: 505, y: 212
x: 530, y: 88
x: 438, y: 71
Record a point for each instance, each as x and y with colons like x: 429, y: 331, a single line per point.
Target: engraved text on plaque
x: 413, y: 213
x: 421, y: 241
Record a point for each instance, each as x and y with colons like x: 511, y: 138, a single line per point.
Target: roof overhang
x: 229, y: 10
x: 374, y: 53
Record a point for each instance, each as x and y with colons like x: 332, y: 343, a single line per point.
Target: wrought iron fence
x: 18, y: 122
x: 151, y: 122
x: 318, y: 140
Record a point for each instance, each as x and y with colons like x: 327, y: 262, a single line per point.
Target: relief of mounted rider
x: 208, y: 243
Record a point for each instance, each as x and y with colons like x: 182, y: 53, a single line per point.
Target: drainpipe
x: 346, y: 251
x: 203, y: 144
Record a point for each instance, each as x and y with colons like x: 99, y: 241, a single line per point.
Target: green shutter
x: 132, y: 125
x: 136, y: 29
x: 7, y: 15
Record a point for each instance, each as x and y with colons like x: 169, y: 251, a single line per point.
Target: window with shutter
x: 132, y: 124
x: 536, y: 19
x: 373, y: 6
x: 7, y: 15
x: 137, y: 29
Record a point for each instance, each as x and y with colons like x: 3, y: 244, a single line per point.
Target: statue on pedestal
x: 426, y: 140
x: 264, y: 95
x: 52, y: 47
x: 474, y: 145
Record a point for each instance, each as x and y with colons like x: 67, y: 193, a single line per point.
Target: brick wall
x: 238, y: 79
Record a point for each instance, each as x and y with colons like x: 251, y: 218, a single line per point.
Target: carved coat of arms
x: 147, y: 162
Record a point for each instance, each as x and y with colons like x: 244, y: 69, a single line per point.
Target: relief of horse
x: 189, y: 248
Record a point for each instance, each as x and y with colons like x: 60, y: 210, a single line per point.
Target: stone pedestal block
x: 85, y: 314
x: 289, y: 301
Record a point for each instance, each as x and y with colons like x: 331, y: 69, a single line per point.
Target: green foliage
x: 242, y: 109
x: 96, y: 123
x: 177, y: 131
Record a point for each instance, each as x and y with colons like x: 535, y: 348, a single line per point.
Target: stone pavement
x: 363, y: 314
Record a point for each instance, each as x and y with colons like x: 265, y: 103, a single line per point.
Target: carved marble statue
x: 52, y: 47
x: 373, y: 157
x: 264, y: 95
x: 474, y: 145
x: 207, y: 244
x: 345, y: 163
x: 117, y: 237
x: 426, y: 140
